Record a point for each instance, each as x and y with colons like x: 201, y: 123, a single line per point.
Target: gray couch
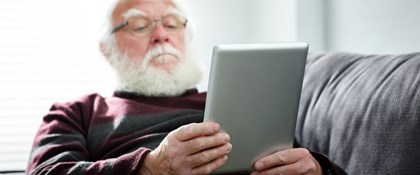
x: 363, y: 111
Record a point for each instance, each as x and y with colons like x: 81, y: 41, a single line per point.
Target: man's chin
x: 157, y: 81
x: 163, y: 72
x: 166, y: 62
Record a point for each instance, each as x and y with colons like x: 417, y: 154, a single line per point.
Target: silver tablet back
x: 254, y: 92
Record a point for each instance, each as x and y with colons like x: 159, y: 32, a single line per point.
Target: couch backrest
x: 363, y: 111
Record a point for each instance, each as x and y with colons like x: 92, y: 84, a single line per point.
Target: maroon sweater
x: 97, y: 135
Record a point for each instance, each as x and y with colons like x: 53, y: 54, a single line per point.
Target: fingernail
x: 259, y: 166
x: 216, y: 127
x: 225, y: 158
x: 226, y: 137
x: 229, y: 148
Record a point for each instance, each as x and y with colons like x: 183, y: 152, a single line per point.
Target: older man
x: 153, y: 122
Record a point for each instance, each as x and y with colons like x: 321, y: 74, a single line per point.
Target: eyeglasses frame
x: 125, y: 23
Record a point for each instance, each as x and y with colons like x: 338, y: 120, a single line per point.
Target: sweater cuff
x: 130, y: 163
x: 327, y: 166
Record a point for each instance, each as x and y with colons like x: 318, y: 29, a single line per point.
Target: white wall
x: 240, y: 21
x: 366, y: 26
x: 311, y: 23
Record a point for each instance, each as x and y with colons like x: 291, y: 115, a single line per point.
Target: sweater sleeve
x: 60, y: 147
x: 328, y: 167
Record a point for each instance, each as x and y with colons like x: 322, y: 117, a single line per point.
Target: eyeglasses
x: 141, y: 25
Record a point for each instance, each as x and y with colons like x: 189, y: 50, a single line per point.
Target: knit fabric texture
x: 362, y: 111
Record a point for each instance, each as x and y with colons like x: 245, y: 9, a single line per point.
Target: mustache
x: 160, y: 50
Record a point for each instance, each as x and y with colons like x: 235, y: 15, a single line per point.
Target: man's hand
x: 291, y: 161
x: 197, y: 148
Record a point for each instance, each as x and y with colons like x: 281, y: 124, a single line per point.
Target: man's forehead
x: 128, y: 7
x: 144, y: 1
x: 147, y: 1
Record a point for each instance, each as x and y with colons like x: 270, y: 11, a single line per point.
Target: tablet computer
x: 253, y: 93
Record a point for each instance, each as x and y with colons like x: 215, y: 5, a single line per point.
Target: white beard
x: 142, y: 78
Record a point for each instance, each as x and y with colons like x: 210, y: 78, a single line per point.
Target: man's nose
x: 159, y: 35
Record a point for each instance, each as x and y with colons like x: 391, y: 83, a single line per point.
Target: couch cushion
x: 363, y: 111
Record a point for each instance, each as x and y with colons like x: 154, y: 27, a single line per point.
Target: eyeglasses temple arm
x: 119, y: 27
